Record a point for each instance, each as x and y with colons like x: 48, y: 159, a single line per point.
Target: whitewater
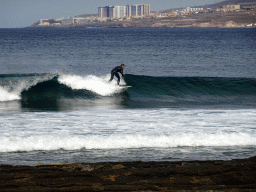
x: 98, y: 85
x: 115, y: 130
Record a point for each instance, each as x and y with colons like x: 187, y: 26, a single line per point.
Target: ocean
x: 193, y: 95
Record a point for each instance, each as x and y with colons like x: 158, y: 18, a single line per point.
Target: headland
x: 219, y: 15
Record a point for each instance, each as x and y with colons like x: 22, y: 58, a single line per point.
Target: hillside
x: 217, y: 5
x: 228, y: 2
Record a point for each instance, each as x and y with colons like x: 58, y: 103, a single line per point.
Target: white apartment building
x: 119, y: 11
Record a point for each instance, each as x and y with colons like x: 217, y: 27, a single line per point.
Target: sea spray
x: 7, y: 96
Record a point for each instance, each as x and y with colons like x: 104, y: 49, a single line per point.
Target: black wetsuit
x: 115, y: 72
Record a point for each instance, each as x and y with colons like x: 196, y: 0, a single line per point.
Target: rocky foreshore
x: 234, y: 175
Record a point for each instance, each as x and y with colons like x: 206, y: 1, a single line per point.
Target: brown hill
x: 228, y: 2
x: 217, y: 5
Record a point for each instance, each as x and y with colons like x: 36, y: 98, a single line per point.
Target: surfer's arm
x: 121, y: 71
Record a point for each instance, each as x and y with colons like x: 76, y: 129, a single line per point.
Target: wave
x: 146, y: 91
x: 18, y: 86
x: 49, y: 142
x: 181, y: 86
x: 12, y: 85
x: 193, y: 91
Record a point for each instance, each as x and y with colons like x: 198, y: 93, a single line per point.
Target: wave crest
x: 98, y: 85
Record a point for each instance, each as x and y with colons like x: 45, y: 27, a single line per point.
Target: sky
x: 23, y: 13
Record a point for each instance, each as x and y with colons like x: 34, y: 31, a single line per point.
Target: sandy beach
x: 234, y: 175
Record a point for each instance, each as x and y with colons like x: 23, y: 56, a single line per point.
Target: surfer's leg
x: 118, y: 78
x: 112, y: 76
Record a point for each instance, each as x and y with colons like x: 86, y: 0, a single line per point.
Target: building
x: 81, y: 20
x: 106, y: 11
x: 119, y: 11
x: 231, y: 7
x: 189, y: 9
x: 248, y: 6
x: 138, y: 10
x: 146, y: 9
x: 44, y: 23
x: 130, y: 10
x: 68, y: 21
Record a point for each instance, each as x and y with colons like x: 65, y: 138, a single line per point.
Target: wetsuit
x: 115, y: 72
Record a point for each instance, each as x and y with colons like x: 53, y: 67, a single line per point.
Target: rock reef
x: 234, y: 175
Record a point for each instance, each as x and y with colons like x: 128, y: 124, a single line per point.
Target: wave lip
x: 13, y: 85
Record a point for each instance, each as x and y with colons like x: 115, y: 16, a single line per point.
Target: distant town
x: 140, y: 15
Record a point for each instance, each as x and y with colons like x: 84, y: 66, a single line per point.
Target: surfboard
x: 124, y: 86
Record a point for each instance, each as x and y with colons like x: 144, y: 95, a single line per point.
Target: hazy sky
x: 22, y: 13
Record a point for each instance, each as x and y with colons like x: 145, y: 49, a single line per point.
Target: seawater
x: 193, y: 95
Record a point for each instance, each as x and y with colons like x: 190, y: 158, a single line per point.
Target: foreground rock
x: 235, y: 175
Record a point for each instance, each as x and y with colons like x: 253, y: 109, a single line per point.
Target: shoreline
x: 213, y: 175
x: 234, y: 19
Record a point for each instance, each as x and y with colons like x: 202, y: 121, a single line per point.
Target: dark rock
x: 235, y: 175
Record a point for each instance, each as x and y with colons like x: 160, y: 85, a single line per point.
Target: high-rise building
x: 102, y: 12
x: 119, y: 11
x: 106, y: 11
x: 138, y: 10
x: 146, y: 9
x: 131, y: 10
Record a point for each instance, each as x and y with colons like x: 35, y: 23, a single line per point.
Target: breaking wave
x: 146, y: 91
x: 66, y: 142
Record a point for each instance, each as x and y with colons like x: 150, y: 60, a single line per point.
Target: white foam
x: 51, y: 142
x: 8, y: 96
x: 98, y: 85
x: 123, y: 129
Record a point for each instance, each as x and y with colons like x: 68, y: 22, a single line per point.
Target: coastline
x: 216, y: 175
x: 242, y: 19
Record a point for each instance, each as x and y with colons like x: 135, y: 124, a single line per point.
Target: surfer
x: 115, y: 71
